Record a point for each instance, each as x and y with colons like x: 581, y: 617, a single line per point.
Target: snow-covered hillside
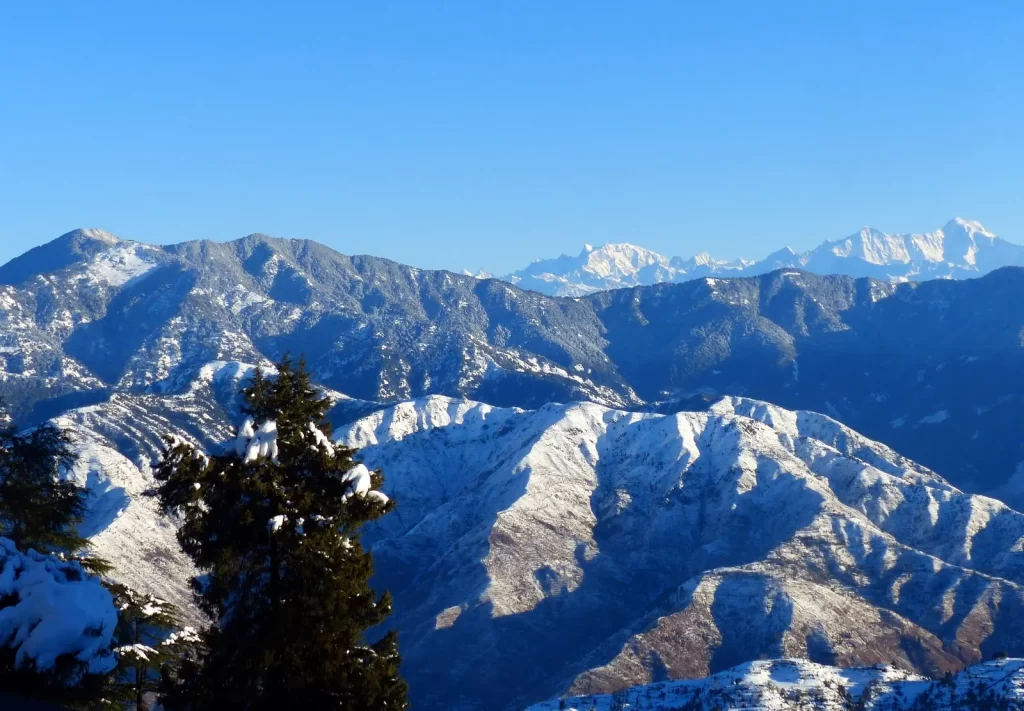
x: 780, y: 685
x: 961, y: 248
x: 586, y: 549
x: 581, y: 548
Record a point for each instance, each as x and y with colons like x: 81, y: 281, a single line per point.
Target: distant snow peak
x: 478, y: 274
x: 614, y: 265
x: 970, y: 226
x: 961, y: 249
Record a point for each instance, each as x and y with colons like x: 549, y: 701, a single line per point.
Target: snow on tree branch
x: 61, y: 611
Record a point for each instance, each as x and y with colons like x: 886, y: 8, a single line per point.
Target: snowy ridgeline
x: 757, y: 533
x: 59, y: 611
x: 961, y: 248
x: 783, y: 684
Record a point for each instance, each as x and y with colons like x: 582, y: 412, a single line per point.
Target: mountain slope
x: 583, y: 548
x: 797, y: 683
x: 958, y: 250
x: 578, y: 547
x: 931, y: 369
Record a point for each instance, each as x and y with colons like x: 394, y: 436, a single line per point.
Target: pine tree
x: 39, y: 508
x: 275, y: 524
x: 152, y: 648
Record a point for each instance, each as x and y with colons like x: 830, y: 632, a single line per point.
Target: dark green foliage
x: 64, y: 685
x: 38, y: 508
x: 287, y: 579
x: 152, y: 648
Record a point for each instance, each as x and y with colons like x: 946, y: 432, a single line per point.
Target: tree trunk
x: 275, y: 681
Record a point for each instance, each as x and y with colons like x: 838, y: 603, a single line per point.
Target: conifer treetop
x: 274, y: 523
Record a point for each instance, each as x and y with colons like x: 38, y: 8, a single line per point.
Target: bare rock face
x: 587, y: 549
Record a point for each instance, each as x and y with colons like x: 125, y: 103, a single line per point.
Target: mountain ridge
x: 952, y: 251
x: 606, y: 549
x: 779, y: 684
x: 590, y: 549
x: 929, y: 368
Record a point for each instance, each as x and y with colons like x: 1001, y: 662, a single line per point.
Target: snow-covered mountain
x: 778, y: 685
x: 961, y: 249
x: 613, y: 266
x: 584, y: 549
x: 931, y: 369
x: 590, y: 546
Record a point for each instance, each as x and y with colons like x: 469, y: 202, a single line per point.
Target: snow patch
x: 119, y: 266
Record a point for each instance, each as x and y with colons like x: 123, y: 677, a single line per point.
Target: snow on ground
x: 125, y: 526
x: 783, y: 684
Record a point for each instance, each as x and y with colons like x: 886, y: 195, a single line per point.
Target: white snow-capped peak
x: 970, y: 226
x: 99, y: 235
x: 960, y: 249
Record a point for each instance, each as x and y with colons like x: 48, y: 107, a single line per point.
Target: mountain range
x: 960, y: 249
x: 931, y: 369
x: 584, y: 549
x: 593, y: 492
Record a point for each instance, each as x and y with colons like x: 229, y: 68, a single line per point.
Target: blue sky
x: 486, y: 134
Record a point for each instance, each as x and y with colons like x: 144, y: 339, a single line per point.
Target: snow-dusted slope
x: 587, y: 549
x: 785, y: 684
x: 117, y: 442
x: 577, y: 547
x: 962, y: 248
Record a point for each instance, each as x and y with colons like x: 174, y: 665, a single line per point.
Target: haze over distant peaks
x: 960, y: 249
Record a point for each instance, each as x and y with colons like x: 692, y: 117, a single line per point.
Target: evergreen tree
x: 39, y: 508
x: 152, y: 648
x: 275, y: 524
x: 65, y: 664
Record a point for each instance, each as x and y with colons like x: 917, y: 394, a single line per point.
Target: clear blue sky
x: 485, y: 134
